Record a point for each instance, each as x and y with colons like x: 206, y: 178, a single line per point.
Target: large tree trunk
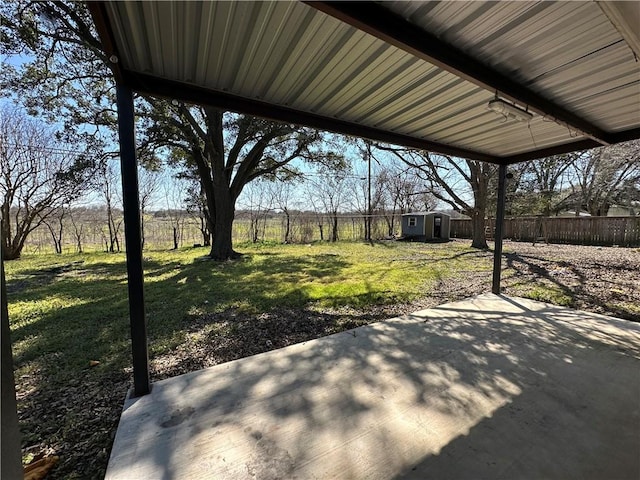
x: 11, y: 245
x: 479, y: 239
x: 11, y: 250
x: 11, y: 253
x: 222, y: 247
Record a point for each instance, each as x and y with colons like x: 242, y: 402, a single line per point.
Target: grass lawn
x: 68, y: 311
x: 70, y: 327
x: 75, y: 308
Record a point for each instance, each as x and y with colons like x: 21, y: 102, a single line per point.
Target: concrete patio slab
x: 492, y: 387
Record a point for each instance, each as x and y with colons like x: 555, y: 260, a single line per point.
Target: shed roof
x: 416, y: 214
x: 418, y: 73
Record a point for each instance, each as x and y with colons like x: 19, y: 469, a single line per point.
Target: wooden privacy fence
x: 605, y: 231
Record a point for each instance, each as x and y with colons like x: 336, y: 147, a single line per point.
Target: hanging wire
x: 43, y: 149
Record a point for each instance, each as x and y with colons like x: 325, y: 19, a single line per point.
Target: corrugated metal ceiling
x: 292, y: 55
x: 568, y: 51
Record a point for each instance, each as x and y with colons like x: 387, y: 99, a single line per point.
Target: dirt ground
x: 597, y: 279
x: 604, y: 280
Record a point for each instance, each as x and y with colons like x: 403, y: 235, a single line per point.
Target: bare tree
x: 463, y: 184
x: 196, y: 205
x: 66, y: 70
x: 388, y: 201
x: 227, y: 151
x: 174, y: 196
x: 149, y: 185
x: 38, y: 177
x: 109, y: 187
x: 318, y: 212
x: 607, y: 175
x: 55, y: 224
x: 258, y: 201
x: 540, y: 187
x: 77, y: 222
x: 282, y: 192
x: 401, y: 191
x: 329, y: 191
x: 367, y: 191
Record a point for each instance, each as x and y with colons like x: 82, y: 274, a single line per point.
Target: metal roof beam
x: 625, y: 17
x: 585, y: 144
x: 156, y: 86
x: 384, y: 24
x: 98, y: 11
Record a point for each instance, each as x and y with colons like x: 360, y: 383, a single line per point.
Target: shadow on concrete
x: 494, y: 387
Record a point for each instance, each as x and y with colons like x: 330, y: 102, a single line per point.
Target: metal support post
x: 369, y: 212
x: 11, y: 455
x: 131, y: 204
x: 497, y: 251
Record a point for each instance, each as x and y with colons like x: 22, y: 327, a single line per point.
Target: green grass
x: 70, y: 309
x: 66, y: 310
x: 549, y: 294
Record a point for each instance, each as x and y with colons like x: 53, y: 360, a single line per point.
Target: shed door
x: 437, y: 227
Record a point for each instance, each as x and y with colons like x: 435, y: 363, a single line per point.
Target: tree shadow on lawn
x: 566, y: 278
x: 262, y: 282
x: 229, y: 335
x: 71, y: 316
x: 442, y: 256
x: 199, y: 314
x: 176, y: 293
x: 42, y: 277
x: 71, y: 409
x: 95, y: 324
x: 90, y: 300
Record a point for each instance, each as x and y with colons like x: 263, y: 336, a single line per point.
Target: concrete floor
x: 492, y: 387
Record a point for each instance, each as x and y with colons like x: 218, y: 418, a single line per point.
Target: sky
x: 165, y: 196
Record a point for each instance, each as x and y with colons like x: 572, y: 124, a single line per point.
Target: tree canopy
x: 39, y: 176
x: 67, y: 75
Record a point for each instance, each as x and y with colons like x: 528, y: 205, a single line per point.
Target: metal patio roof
x: 414, y: 73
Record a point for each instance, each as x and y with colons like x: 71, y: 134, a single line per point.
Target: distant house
x: 620, y: 211
x: 426, y: 226
x: 572, y: 213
